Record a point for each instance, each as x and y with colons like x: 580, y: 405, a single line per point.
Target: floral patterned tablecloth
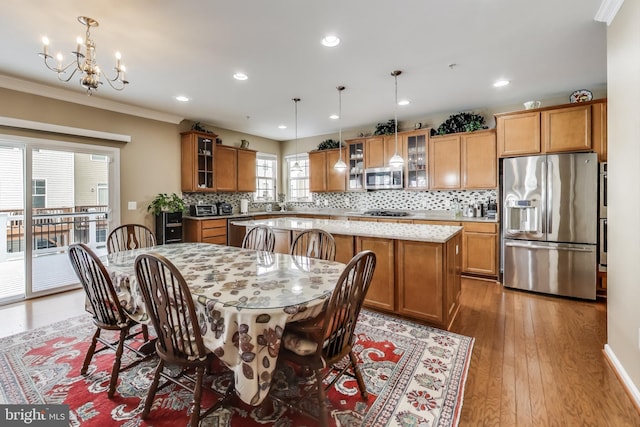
x: 243, y: 298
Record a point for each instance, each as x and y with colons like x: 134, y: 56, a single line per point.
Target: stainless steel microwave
x: 383, y: 178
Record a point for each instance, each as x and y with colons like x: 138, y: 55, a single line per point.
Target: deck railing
x: 53, y: 229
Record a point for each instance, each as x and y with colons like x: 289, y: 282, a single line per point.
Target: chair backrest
x: 101, y: 295
x: 344, y: 306
x: 314, y: 243
x: 171, y: 309
x: 130, y: 236
x: 260, y: 238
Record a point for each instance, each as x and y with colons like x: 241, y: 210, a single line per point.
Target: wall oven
x: 383, y: 178
x: 602, y: 214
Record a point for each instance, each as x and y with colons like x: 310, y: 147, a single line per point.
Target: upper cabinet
x: 463, y: 161
x: 379, y: 150
x: 570, y: 127
x: 416, y: 144
x: 208, y: 167
x: 197, y: 161
x: 322, y: 175
x: 444, y: 162
x: 355, y: 164
x: 479, y: 163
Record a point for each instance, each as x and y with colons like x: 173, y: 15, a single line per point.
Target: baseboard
x: 622, y: 375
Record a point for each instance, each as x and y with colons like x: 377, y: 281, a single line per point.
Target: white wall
x: 623, y: 295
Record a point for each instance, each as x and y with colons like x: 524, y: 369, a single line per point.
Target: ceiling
x: 546, y: 48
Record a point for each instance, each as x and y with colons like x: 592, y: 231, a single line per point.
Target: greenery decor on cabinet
x: 328, y: 144
x: 461, y: 122
x: 388, y: 128
x: 164, y: 202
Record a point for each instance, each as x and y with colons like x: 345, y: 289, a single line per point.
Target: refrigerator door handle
x: 554, y: 248
x: 547, y: 172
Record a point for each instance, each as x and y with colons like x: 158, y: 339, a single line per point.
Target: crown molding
x: 608, y: 10
x: 19, y: 85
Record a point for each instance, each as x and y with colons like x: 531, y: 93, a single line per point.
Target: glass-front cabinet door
x: 356, y: 165
x: 416, y: 143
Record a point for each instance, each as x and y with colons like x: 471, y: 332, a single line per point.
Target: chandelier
x: 85, y: 62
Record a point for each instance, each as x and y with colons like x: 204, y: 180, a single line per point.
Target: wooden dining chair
x: 314, y: 243
x: 324, y: 341
x: 108, y: 313
x: 260, y: 238
x: 130, y: 236
x: 172, y: 312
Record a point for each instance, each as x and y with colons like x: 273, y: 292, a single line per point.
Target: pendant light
x: 396, y: 160
x: 296, y: 168
x: 340, y: 164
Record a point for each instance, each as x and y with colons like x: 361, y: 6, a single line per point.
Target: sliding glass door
x: 60, y: 195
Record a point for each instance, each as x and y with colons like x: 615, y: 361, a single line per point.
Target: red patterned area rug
x: 414, y: 374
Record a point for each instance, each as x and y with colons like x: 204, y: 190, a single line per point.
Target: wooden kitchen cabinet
x: 355, y: 164
x: 428, y: 280
x: 381, y: 293
x: 323, y: 177
x: 558, y: 129
x: 235, y: 169
x: 196, y: 162
x: 444, y: 162
x: 479, y: 162
x: 345, y: 247
x: 518, y: 134
x: 374, y: 152
x: 566, y: 129
x: 480, y: 248
x: 416, y: 144
x: 205, y: 230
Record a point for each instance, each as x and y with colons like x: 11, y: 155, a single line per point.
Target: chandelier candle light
x: 340, y: 164
x: 296, y: 166
x: 85, y: 63
x: 396, y: 160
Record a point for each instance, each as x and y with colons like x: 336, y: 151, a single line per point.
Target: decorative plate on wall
x: 581, y: 95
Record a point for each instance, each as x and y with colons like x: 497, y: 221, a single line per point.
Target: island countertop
x: 384, y: 230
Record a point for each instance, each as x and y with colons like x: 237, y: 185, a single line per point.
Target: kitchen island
x: 418, y: 266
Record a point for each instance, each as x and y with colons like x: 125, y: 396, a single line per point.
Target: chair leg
x: 358, y: 374
x: 117, y: 362
x: 322, y: 400
x: 145, y: 333
x: 90, y: 351
x: 197, y: 396
x: 152, y: 390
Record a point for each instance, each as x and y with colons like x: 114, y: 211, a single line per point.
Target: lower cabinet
x: 345, y: 248
x: 381, y: 293
x: 205, y: 230
x: 480, y: 249
x: 428, y: 280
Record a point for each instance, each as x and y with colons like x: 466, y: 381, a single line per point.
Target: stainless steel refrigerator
x: 550, y: 218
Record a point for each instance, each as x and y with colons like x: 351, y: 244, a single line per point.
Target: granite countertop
x: 384, y: 230
x: 423, y: 215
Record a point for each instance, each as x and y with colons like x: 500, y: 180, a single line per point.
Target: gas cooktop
x: 386, y: 213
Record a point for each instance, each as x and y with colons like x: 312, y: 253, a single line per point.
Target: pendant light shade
x: 396, y: 160
x: 296, y: 168
x: 340, y: 164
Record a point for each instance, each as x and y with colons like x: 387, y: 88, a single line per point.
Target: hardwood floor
x: 537, y: 360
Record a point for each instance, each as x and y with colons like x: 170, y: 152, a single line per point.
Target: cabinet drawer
x: 435, y: 222
x: 214, y: 223
x: 479, y: 227
x: 218, y: 240
x: 213, y: 232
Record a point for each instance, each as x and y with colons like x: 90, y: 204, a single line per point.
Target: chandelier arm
x: 119, y: 87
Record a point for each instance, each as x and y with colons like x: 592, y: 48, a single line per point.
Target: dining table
x: 243, y: 299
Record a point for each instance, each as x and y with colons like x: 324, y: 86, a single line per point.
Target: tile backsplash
x: 382, y: 199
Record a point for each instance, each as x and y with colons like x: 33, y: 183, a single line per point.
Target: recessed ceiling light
x: 282, y: 126
x: 404, y: 102
x: 331, y: 41
x: 240, y: 76
x: 501, y: 83
x: 334, y: 117
x: 182, y: 98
